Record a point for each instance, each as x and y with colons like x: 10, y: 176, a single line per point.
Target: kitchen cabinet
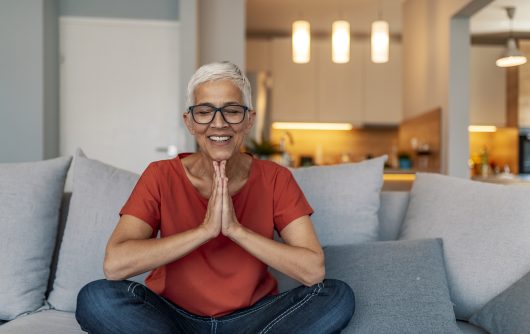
x: 383, y: 88
x: 294, y: 92
x: 339, y: 86
x: 487, y: 100
x: 357, y: 92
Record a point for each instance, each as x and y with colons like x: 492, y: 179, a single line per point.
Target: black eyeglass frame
x: 215, y: 110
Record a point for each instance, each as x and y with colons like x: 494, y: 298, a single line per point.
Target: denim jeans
x: 129, y: 307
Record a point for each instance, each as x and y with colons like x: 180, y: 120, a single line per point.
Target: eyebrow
x: 224, y: 104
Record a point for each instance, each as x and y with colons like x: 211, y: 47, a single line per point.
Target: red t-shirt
x: 219, y: 277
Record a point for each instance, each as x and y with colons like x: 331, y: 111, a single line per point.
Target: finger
x: 223, y: 168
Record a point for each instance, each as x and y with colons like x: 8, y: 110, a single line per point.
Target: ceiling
x: 276, y: 16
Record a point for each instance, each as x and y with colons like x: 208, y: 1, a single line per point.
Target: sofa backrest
x: 392, y: 211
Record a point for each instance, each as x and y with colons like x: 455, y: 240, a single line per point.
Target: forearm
x: 133, y: 257
x: 302, y: 264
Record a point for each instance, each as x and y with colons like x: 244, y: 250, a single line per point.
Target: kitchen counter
x: 507, y: 179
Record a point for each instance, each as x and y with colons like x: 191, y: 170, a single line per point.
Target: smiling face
x: 219, y: 140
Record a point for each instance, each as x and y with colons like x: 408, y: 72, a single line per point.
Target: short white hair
x: 223, y: 70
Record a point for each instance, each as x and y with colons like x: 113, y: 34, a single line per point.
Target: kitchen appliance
x: 524, y: 151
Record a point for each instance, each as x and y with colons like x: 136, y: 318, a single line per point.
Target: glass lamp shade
x: 340, y: 41
x: 301, y: 42
x: 512, y: 56
x: 380, y: 40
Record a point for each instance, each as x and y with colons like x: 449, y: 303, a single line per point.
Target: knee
x: 95, y: 295
x: 342, y: 296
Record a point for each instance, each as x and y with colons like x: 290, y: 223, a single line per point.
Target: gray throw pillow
x: 508, y: 312
x: 486, y: 232
x: 30, y: 198
x: 345, y: 200
x: 99, y: 192
x: 399, y: 286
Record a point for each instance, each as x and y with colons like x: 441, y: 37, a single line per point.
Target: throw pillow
x: 30, y: 198
x: 485, y: 228
x: 99, y: 192
x: 399, y: 286
x: 508, y: 312
x: 345, y: 200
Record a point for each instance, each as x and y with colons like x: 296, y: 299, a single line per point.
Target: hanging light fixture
x: 512, y: 56
x: 301, y: 42
x: 380, y: 40
x: 340, y: 42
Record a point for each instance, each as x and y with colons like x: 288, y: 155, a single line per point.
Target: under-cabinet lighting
x: 482, y: 128
x: 311, y: 126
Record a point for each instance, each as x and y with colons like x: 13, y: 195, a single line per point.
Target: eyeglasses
x: 204, y: 114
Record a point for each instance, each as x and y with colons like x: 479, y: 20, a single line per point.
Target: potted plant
x: 405, y: 160
x: 263, y: 149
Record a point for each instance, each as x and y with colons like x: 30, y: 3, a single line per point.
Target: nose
x: 218, y: 120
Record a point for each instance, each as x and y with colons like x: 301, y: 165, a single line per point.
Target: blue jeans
x: 129, y: 307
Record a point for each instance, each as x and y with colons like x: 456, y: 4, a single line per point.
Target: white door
x: 119, y: 94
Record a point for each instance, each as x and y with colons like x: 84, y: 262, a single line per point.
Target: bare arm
x: 131, y: 250
x: 301, y: 257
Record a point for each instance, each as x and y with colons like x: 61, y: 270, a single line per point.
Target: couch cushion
x: 45, y: 322
x: 99, y: 192
x: 399, y: 286
x: 30, y: 196
x: 508, y: 312
x: 393, y: 208
x: 468, y: 328
x: 345, y: 200
x: 486, y: 231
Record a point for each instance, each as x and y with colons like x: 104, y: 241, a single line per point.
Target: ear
x: 189, y: 122
x: 251, y: 119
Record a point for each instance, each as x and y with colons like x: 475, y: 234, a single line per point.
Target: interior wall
x: 128, y: 9
x: 222, y: 31
x: 25, y: 86
x: 436, y: 71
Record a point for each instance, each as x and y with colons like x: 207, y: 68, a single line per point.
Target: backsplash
x: 331, y: 147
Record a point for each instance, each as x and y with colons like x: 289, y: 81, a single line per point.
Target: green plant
x: 264, y: 148
x: 404, y: 155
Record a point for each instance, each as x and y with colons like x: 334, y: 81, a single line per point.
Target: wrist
x: 236, y: 232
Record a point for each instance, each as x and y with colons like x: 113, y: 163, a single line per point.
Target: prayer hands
x: 220, y: 215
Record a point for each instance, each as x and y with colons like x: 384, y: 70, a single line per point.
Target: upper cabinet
x: 357, y: 92
x: 487, y: 100
x: 383, y: 88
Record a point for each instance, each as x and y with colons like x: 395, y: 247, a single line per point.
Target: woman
x: 216, y: 211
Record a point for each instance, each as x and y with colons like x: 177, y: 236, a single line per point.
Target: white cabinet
x: 294, y: 92
x: 357, y: 92
x: 339, y: 86
x: 488, y: 87
x: 383, y: 88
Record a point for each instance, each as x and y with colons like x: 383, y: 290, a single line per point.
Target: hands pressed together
x: 220, y: 215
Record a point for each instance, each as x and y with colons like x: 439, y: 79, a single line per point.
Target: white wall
x: 222, y: 31
x: 436, y: 71
x: 28, y: 80
x: 488, y: 86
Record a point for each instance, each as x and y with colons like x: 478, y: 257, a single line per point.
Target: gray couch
x: 401, y: 286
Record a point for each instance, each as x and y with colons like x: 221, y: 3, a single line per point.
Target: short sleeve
x: 289, y: 200
x: 144, y: 201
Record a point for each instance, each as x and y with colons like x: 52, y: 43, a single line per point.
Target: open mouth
x: 219, y: 139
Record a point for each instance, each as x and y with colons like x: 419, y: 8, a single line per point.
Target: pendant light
x: 301, y: 42
x: 380, y: 40
x: 512, y: 56
x: 340, y: 42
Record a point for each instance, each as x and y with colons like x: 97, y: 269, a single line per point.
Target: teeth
x: 219, y: 139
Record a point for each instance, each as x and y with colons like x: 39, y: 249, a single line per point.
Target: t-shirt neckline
x: 189, y: 184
